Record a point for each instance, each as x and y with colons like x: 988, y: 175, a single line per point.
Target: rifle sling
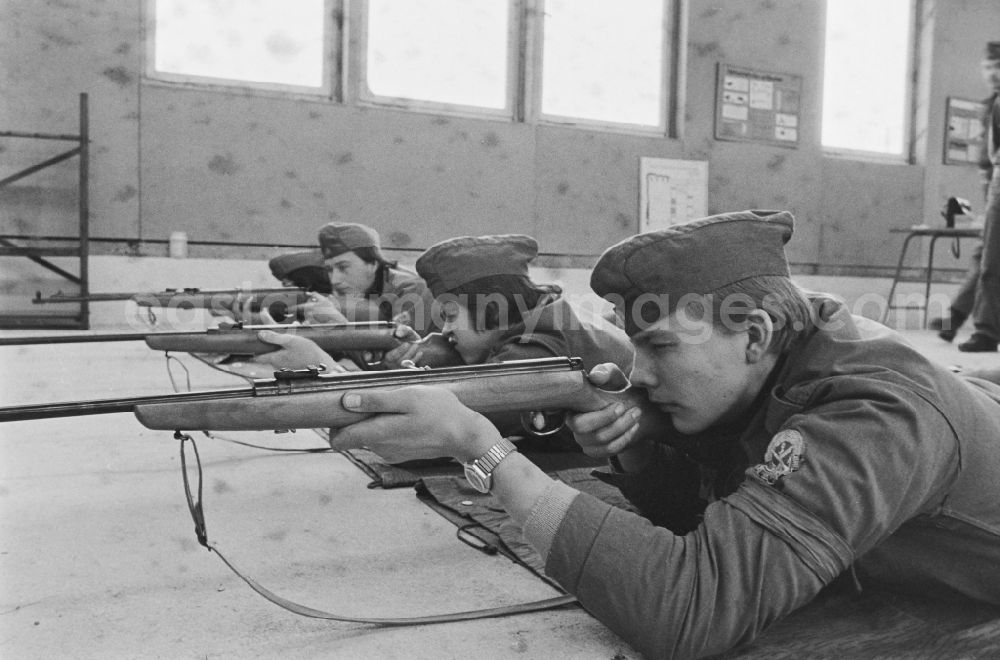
x: 198, y: 516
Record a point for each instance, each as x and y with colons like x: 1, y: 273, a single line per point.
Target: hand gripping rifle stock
x: 240, y: 339
x: 279, y: 303
x: 237, y: 338
x: 308, y: 399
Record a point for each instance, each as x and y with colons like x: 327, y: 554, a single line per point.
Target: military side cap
x: 447, y: 265
x: 284, y: 264
x: 339, y: 237
x: 697, y: 257
x: 993, y: 50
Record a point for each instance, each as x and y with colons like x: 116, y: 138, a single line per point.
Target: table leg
x: 895, y: 280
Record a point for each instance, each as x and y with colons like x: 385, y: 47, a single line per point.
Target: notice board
x: 757, y: 106
x: 671, y: 192
x: 964, y: 131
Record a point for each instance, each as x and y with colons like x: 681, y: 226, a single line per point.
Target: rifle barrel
x: 72, y: 339
x: 369, y: 336
x: 90, y: 297
x: 147, y: 298
x: 106, y: 406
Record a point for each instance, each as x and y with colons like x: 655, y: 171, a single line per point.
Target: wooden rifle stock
x: 308, y: 399
x: 242, y: 339
x: 237, y: 338
x: 279, y: 303
x: 331, y: 337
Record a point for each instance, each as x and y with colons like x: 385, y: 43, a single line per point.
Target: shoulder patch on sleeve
x: 783, y: 456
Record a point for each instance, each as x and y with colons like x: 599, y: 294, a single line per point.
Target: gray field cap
x: 697, y: 257
x: 447, y: 265
x: 336, y: 238
x: 284, y: 264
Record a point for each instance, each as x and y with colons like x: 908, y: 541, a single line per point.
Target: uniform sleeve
x: 414, y: 299
x: 546, y: 515
x: 521, y: 351
x: 873, y: 456
x: 869, y: 459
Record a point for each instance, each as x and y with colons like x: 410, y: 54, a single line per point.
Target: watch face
x: 477, y: 479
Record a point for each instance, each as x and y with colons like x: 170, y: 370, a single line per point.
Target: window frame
x: 331, y: 67
x: 345, y: 80
x: 363, y: 96
x: 907, y: 153
x: 668, y: 56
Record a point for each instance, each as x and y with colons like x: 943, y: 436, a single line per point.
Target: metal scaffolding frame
x: 81, y: 247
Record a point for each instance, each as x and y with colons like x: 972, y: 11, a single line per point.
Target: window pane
x: 864, y: 75
x: 272, y: 41
x: 604, y: 61
x: 448, y: 51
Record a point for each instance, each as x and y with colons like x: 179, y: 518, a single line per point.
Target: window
x: 271, y: 43
x: 604, y: 61
x: 465, y: 63
x: 866, y: 95
x: 581, y: 62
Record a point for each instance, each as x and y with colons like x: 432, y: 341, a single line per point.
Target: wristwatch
x: 479, y: 473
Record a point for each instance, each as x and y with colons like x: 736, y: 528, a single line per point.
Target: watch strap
x: 491, y: 459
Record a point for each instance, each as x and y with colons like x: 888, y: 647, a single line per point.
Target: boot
x: 948, y: 327
x: 978, y: 344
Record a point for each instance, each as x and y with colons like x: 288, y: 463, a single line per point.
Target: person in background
x: 365, y: 285
x: 304, y: 270
x: 494, y: 312
x: 979, y: 294
x: 799, y: 443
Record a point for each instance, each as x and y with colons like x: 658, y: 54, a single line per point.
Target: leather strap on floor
x: 304, y: 610
x: 198, y: 516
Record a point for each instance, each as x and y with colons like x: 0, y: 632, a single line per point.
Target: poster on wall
x: 963, y: 131
x: 671, y: 192
x: 757, y: 106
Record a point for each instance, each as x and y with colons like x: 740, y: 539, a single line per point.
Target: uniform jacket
x: 860, y: 450
x: 406, y: 298
x: 556, y: 329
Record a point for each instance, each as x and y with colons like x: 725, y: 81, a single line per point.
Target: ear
x: 760, y: 334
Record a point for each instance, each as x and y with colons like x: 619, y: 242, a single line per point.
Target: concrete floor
x: 98, y: 558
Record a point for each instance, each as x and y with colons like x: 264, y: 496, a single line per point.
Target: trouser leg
x: 986, y: 309
x: 965, y: 298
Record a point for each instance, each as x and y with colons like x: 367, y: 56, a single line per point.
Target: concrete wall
x: 267, y: 168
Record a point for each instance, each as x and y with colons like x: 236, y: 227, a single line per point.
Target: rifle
x: 60, y: 297
x: 306, y: 398
x: 280, y: 303
x: 277, y: 302
x: 241, y: 339
x: 186, y: 298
